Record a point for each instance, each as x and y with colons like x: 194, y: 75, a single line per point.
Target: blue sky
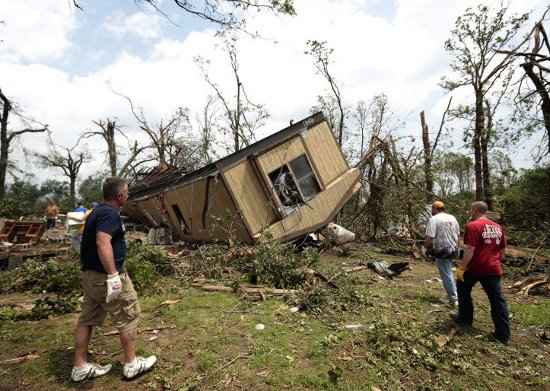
x: 61, y: 64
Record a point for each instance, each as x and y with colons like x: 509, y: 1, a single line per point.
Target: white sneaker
x: 89, y: 372
x: 139, y: 366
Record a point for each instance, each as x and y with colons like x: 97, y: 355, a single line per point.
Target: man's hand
x: 460, y: 273
x: 114, y: 287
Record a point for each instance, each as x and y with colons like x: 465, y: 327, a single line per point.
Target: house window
x: 183, y: 225
x: 285, y: 187
x: 294, y: 183
x: 305, y: 177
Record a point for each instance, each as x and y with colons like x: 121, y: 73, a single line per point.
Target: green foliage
x: 321, y: 299
x: 151, y: 254
x: 20, y: 200
x: 52, y: 276
x: 527, y: 202
x: 279, y: 265
x: 90, y: 189
x: 51, y: 306
x: 146, y: 264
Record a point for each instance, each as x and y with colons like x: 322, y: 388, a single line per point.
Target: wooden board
x: 325, y: 153
x: 284, y: 153
x: 250, y: 196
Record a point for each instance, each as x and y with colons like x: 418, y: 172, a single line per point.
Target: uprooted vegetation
x: 328, y: 322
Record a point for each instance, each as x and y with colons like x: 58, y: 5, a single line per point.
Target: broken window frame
x: 310, y: 174
x: 287, y: 210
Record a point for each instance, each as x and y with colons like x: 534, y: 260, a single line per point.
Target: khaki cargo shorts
x: 124, y: 310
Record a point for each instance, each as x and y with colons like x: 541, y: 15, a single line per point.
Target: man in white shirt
x: 442, y: 233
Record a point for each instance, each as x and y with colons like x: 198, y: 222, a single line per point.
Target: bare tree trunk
x: 428, y: 174
x: 4, y: 147
x: 487, y: 191
x: 478, y: 131
x: 543, y: 93
x: 72, y: 190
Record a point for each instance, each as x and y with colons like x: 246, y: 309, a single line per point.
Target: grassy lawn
x: 209, y: 341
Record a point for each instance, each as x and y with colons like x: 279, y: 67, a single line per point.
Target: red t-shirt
x: 488, y: 238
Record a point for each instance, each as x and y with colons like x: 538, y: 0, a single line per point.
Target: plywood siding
x: 319, y: 209
x: 325, y: 153
x: 221, y: 219
x: 276, y: 157
x: 250, y: 196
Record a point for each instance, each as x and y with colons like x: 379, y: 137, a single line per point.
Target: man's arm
x: 468, y: 254
x: 428, y: 242
x: 430, y: 234
x: 105, y: 252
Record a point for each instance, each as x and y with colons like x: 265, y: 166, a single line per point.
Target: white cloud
x: 35, y: 30
x: 147, y: 26
x: 402, y: 57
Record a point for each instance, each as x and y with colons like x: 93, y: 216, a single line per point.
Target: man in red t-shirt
x: 484, y: 244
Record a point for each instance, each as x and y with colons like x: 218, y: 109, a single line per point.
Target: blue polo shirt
x: 104, y: 218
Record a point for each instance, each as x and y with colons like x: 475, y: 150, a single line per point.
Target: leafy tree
x: 90, y: 189
x: 527, y: 203
x: 473, y: 45
x: 20, y: 199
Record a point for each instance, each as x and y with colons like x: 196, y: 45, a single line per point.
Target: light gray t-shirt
x: 444, y: 230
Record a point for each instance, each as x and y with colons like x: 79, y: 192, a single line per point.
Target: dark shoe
x: 460, y: 322
x: 502, y: 340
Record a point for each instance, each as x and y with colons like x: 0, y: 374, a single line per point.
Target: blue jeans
x: 499, y: 308
x: 445, y: 267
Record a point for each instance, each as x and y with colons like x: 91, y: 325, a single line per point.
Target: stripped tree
x: 7, y: 136
x: 227, y: 14
x: 107, y: 130
x: 429, y: 150
x: 242, y: 116
x: 67, y: 159
x: 321, y: 54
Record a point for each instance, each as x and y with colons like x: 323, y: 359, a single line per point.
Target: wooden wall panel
x: 250, y: 196
x: 325, y: 153
x: 276, y: 157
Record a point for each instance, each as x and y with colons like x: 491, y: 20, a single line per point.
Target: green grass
x: 534, y: 314
x: 210, y: 342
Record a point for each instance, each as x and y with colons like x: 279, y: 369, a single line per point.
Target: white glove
x: 114, y: 287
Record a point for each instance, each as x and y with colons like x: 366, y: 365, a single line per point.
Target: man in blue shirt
x: 107, y: 287
x: 81, y: 208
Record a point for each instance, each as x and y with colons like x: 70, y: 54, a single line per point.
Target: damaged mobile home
x: 287, y: 185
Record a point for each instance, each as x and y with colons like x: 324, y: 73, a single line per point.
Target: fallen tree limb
x: 245, y: 289
x: 116, y: 332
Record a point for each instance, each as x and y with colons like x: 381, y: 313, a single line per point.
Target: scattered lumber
x: 245, y: 289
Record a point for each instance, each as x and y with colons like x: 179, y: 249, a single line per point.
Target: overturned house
x: 284, y: 186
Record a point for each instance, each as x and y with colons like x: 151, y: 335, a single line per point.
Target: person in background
x: 51, y: 214
x: 80, y: 208
x: 484, y: 247
x: 107, y: 287
x: 442, y: 234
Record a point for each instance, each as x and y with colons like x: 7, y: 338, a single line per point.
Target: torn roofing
x: 179, y: 176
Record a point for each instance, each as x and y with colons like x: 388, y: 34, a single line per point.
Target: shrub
x: 51, y: 276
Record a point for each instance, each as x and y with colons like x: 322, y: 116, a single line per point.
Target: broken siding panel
x: 223, y: 220
x: 189, y: 200
x: 250, y: 196
x: 319, y: 209
x: 284, y: 153
x: 325, y: 153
